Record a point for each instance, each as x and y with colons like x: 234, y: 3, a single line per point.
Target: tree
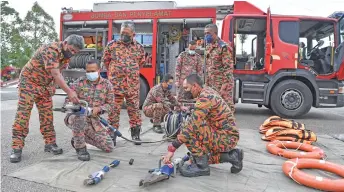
x: 13, y: 45
x: 39, y: 27
x: 242, y: 38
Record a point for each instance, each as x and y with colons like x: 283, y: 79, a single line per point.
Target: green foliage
x: 242, y: 38
x: 19, y: 39
x: 39, y: 27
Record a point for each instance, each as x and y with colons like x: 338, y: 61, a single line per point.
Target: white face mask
x: 192, y: 52
x: 92, y: 76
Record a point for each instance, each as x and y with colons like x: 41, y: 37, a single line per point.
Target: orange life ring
x: 308, y: 151
x: 292, y: 168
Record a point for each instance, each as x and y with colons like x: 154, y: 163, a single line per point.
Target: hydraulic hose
x: 172, y: 121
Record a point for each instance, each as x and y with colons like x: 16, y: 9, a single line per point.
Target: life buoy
x: 308, y: 151
x: 292, y: 168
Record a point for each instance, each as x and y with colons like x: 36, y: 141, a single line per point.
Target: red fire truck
x: 296, y: 62
x: 161, y: 27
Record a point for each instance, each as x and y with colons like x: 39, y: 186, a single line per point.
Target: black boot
x: 158, y: 129
x: 199, y: 167
x: 235, y: 157
x: 53, y: 148
x: 135, y: 134
x: 83, y: 154
x: 15, y: 155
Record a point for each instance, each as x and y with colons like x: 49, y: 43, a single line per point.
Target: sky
x: 285, y: 7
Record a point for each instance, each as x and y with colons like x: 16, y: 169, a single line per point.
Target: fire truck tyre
x: 267, y: 106
x: 144, y: 88
x: 291, y: 99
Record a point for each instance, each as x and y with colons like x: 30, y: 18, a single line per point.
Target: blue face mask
x: 92, y: 76
x: 208, y: 38
x: 169, y: 87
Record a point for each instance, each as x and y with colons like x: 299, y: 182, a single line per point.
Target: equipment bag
x: 278, y: 122
x: 295, y: 135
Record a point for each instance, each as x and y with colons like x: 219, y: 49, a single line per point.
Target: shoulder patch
x: 224, y: 46
x: 111, y: 42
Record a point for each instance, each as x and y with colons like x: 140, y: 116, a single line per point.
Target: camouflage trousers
x: 226, y: 94
x: 89, y: 130
x: 204, y: 140
x: 133, y: 107
x: 180, y: 93
x: 28, y: 95
x: 156, y: 111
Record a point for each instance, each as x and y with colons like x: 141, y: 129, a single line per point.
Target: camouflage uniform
x: 219, y: 70
x: 89, y: 129
x: 36, y: 85
x: 186, y: 65
x: 158, y: 103
x: 211, y: 128
x: 123, y: 62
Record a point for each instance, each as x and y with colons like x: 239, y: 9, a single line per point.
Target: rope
x: 288, y: 148
x: 292, y: 169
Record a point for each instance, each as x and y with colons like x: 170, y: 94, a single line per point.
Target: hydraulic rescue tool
x: 83, y: 109
x: 96, y: 177
x: 164, y: 172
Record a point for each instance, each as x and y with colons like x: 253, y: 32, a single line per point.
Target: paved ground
x: 326, y: 121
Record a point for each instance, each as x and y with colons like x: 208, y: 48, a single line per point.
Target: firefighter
x: 188, y: 62
x: 37, y: 85
x: 123, y: 59
x: 219, y: 65
x: 210, y: 134
x: 98, y: 93
x: 159, y: 102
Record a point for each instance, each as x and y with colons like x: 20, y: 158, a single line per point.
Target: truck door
x: 339, y: 52
x: 268, y: 43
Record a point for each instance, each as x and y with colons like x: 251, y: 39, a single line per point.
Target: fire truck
x: 296, y: 62
x: 161, y: 27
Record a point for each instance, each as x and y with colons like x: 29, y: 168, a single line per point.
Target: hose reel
x: 173, y: 122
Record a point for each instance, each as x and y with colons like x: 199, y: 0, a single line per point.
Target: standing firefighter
x: 219, y: 65
x: 123, y: 59
x: 210, y: 135
x: 188, y: 62
x: 98, y: 93
x: 36, y: 85
x: 159, y: 102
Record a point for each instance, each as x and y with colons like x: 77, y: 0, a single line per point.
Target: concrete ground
x: 321, y: 121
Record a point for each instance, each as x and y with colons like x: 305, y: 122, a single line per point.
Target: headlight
x: 341, y: 90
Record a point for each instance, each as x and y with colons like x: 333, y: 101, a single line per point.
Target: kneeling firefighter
x: 98, y: 93
x: 159, y: 102
x: 210, y: 134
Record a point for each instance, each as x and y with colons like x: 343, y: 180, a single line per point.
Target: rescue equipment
x: 283, y: 134
x: 276, y: 121
x: 308, y: 151
x: 292, y: 168
x: 173, y: 122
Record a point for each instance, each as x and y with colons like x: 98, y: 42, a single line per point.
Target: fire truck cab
x: 295, y: 62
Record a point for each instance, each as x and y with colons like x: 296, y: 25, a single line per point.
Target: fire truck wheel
x: 291, y: 99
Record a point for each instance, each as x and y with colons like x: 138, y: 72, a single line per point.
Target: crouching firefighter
x: 210, y: 134
x: 159, y: 102
x: 98, y: 92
